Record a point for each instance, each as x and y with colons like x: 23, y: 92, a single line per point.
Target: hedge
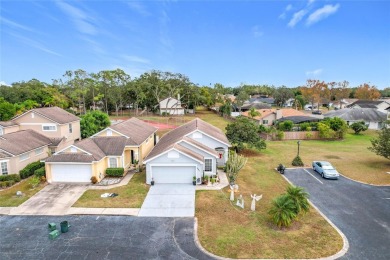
x: 30, y: 169
x: 40, y: 172
x: 10, y: 177
x: 4, y: 184
x: 115, y: 172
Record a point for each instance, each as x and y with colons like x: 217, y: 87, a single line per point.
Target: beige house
x: 16, y: 152
x: 122, y: 145
x: 61, y: 127
x: 267, y: 117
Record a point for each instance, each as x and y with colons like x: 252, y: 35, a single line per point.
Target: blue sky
x: 228, y: 42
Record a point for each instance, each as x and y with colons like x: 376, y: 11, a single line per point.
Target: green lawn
x: 8, y: 197
x: 131, y: 195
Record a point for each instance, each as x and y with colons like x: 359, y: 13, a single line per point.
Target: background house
x: 381, y: 105
x: 373, y: 118
x: 171, y: 106
x: 267, y: 117
x: 191, y: 150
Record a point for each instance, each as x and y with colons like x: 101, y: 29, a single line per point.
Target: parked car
x: 325, y: 169
x: 316, y: 112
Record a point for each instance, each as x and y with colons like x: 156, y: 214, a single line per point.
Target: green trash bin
x: 64, y: 226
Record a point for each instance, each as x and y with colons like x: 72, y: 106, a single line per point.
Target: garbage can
x: 64, y: 226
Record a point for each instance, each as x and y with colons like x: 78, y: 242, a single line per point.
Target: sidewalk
x: 104, y: 211
x: 123, y: 182
x: 223, y: 182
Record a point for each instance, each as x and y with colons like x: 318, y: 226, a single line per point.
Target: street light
x: 299, y: 142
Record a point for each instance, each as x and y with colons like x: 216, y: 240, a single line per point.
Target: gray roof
x: 23, y: 141
x: 4, y: 154
x: 358, y: 114
x: 71, y: 157
x: 299, y: 119
x: 176, y: 135
x: 8, y: 123
x: 137, y: 130
x: 55, y: 114
x: 200, y: 145
x: 188, y: 152
x: 367, y: 103
x: 56, y: 141
x: 256, y: 105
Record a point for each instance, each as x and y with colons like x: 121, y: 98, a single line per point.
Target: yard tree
x: 241, y: 98
x: 93, y: 122
x: 367, y: 92
x: 77, y: 82
x: 244, y: 132
x: 7, y: 110
x: 282, y: 94
x: 342, y: 91
x: 381, y: 144
x: 358, y: 127
x: 253, y: 113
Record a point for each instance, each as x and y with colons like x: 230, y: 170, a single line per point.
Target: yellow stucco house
x: 121, y: 145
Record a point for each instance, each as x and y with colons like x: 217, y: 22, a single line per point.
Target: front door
x: 132, y: 157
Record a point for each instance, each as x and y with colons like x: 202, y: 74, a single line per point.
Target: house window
x: 70, y: 128
x: 265, y: 122
x: 4, y: 168
x: 24, y: 157
x: 49, y: 128
x: 109, y: 132
x: 32, y: 115
x: 208, y: 165
x: 73, y: 150
x: 113, y: 163
x: 38, y: 151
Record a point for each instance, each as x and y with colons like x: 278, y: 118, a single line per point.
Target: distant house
x: 269, y: 116
x: 17, y: 149
x: 121, y: 145
x: 381, y: 105
x: 171, y: 106
x: 255, y: 104
x: 373, y: 117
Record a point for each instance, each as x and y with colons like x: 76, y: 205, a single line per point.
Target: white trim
x: 144, y: 162
x: 216, y: 156
x: 172, y: 165
x: 7, y: 165
x: 109, y: 161
x: 228, y: 145
x: 119, y: 133
x: 1, y: 130
x: 4, y: 151
x: 70, y: 162
x: 56, y: 153
x: 123, y: 159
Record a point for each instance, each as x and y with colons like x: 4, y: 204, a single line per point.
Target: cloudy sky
x: 229, y: 42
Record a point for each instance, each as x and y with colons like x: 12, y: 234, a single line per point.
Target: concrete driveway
x: 360, y: 211
x: 169, y: 200
x: 99, y: 237
x: 54, y: 199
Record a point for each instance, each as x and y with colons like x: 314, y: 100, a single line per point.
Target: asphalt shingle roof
x: 8, y: 123
x: 137, y: 130
x: 358, y: 114
x: 55, y: 114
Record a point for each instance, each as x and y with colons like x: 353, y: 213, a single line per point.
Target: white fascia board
x: 228, y: 145
x: 70, y: 146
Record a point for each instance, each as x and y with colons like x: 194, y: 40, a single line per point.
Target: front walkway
x: 223, y: 182
x: 169, y: 200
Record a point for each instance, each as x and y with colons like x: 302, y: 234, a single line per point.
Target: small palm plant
x: 300, y: 198
x: 283, y: 211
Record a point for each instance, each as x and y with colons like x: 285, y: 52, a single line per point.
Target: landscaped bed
x: 8, y: 196
x: 131, y: 195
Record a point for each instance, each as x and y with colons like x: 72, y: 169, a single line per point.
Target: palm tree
x: 299, y: 196
x: 283, y: 211
x: 253, y: 113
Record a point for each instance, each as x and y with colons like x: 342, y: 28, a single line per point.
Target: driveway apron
x: 54, y: 199
x: 169, y: 200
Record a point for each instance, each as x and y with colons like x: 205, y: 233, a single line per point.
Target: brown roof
x: 22, y: 141
x: 4, y: 154
x: 174, y: 136
x: 56, y: 141
x: 136, y: 130
x: 284, y: 111
x: 71, y: 157
x: 55, y: 114
x: 189, y: 152
x: 8, y: 123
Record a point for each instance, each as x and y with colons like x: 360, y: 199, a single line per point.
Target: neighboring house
x: 191, y: 150
x: 269, y: 116
x: 121, y: 145
x: 17, y: 149
x: 62, y: 127
x: 289, y: 102
x: 373, y: 118
x: 171, y: 106
x: 7, y: 127
x: 376, y: 104
x: 255, y: 104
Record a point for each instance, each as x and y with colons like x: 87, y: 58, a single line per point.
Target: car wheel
x: 322, y: 175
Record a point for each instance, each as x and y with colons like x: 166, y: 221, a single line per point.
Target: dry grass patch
x: 229, y: 231
x: 131, y: 195
x: 8, y: 196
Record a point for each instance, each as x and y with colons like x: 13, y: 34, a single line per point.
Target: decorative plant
x: 233, y: 166
x: 300, y: 198
x: 94, y: 180
x: 283, y: 211
x: 297, y: 161
x: 34, y: 181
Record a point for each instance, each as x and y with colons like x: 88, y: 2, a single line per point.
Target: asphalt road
x: 98, y: 237
x: 360, y: 211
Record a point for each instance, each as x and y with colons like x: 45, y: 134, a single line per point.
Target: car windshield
x: 327, y: 167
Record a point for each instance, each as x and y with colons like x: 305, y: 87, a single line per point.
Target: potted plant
x: 194, y: 180
x: 152, y: 182
x: 136, y: 165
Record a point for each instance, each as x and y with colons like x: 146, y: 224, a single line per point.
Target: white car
x: 325, y: 169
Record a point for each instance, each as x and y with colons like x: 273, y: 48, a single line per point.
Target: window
x: 109, y: 132
x: 32, y: 115
x: 113, y: 163
x: 49, y: 128
x: 24, y: 156
x: 4, y: 168
x: 73, y: 150
x: 208, y: 165
x: 70, y: 128
x: 265, y: 122
x: 39, y: 151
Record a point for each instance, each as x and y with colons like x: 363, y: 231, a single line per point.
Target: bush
x: 297, y: 161
x: 3, y: 184
x: 94, y: 180
x: 280, y: 135
x: 9, y: 177
x: 10, y: 183
x: 115, y: 172
x: 35, y: 181
x: 358, y: 127
x: 304, y: 127
x: 30, y: 169
x: 283, y: 211
x: 309, y: 135
x: 40, y: 172
x: 286, y: 125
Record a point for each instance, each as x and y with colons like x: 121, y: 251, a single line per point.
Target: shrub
x: 34, y: 181
x: 10, y: 183
x: 304, y: 126
x: 94, y: 180
x: 358, y: 127
x: 297, y: 161
x: 283, y: 211
x: 40, y: 172
x: 115, y: 172
x: 309, y: 135
x: 14, y: 177
x: 286, y: 125
x: 300, y: 198
x: 3, y: 184
x: 30, y: 169
x: 280, y: 135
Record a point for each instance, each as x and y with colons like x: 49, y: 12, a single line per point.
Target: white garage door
x: 173, y: 174
x: 71, y: 173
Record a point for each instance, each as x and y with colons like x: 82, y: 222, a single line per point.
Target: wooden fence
x: 301, y: 135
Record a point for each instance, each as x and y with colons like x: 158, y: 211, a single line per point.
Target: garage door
x: 71, y: 173
x: 173, y: 174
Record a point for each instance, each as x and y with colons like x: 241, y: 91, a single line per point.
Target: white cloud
x: 283, y: 15
x: 316, y: 72
x: 310, y: 2
x: 136, y: 59
x: 322, y: 13
x: 3, y: 83
x: 81, y: 20
x: 296, y: 18
x: 16, y: 25
x: 139, y: 8
x: 165, y: 40
x: 256, y: 32
x: 289, y: 7
x: 35, y: 44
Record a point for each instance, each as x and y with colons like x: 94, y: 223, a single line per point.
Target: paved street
x: 98, y: 237
x: 360, y: 211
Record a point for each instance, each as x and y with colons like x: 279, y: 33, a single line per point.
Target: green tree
x: 93, y: 122
x: 253, y: 113
x: 300, y: 198
x: 338, y: 125
x: 381, y: 144
x: 282, y: 94
x: 358, y: 127
x: 286, y: 125
x: 241, y: 98
x: 244, y: 132
x: 226, y: 109
x: 7, y: 110
x: 283, y: 211
x: 325, y: 131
